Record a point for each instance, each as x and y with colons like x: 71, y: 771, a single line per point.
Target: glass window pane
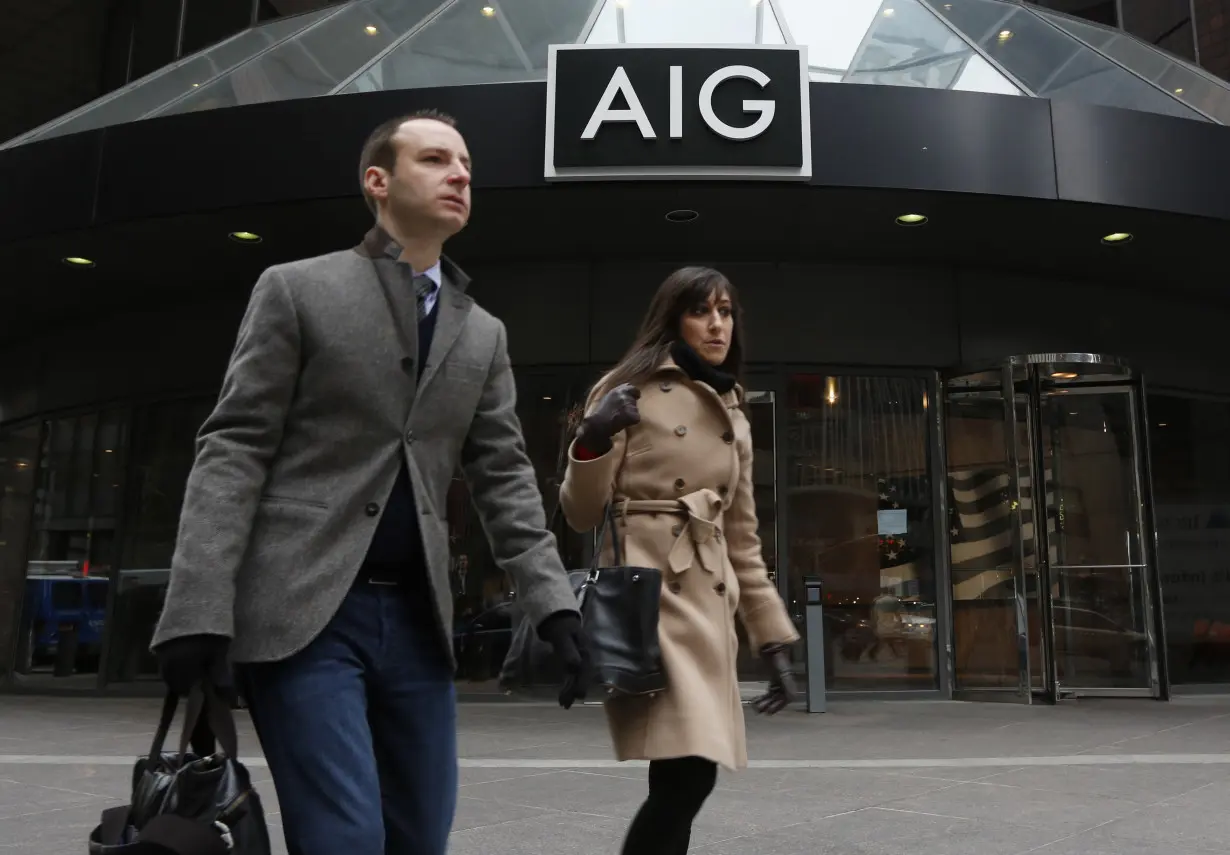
x: 471, y: 42
x: 169, y: 83
x: 163, y: 450
x: 606, y: 29
x: 315, y: 61
x: 909, y: 46
x: 19, y: 638
x: 980, y: 76
x: 831, y: 29
x: 1189, y: 444
x: 861, y: 518
x: 485, y: 612
x: 1185, y: 84
x: 689, y: 21
x: 536, y: 24
x: 1051, y: 63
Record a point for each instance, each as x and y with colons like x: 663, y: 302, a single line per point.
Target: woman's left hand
x: 782, y: 688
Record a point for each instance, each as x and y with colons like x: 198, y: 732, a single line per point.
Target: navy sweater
x: 397, y: 546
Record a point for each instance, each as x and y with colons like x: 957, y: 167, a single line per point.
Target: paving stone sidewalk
x: 874, y: 778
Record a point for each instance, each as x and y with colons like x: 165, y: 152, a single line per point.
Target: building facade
x: 981, y: 273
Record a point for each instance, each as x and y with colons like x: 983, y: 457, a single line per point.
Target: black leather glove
x: 782, y: 688
x: 191, y: 659
x: 562, y: 631
x: 616, y: 411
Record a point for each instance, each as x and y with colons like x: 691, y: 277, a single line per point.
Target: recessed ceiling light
x: 78, y: 261
x: 1117, y: 237
x: 245, y: 237
x: 888, y: 13
x: 489, y: 11
x: 1064, y: 375
x: 911, y: 220
x: 1179, y: 91
x: 682, y: 215
x: 1004, y: 35
x: 370, y: 30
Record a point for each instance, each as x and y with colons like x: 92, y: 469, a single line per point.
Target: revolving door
x: 1053, y: 571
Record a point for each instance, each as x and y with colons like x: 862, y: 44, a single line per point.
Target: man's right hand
x: 191, y: 659
x: 616, y: 411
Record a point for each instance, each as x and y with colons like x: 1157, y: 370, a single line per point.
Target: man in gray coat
x: 313, y: 546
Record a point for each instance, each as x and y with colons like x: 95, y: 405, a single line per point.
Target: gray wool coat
x: 319, y: 403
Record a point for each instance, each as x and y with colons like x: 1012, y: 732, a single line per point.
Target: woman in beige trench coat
x: 665, y: 440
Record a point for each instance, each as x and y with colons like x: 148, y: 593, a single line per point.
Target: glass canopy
x: 1000, y: 46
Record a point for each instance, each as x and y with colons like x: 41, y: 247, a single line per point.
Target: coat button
x: 674, y: 587
x: 728, y: 437
x: 409, y: 436
x: 665, y: 386
x: 681, y: 430
x: 720, y: 587
x: 677, y: 530
x: 372, y: 509
x: 678, y: 483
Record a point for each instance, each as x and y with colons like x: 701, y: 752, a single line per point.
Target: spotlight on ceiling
x: 77, y: 261
x: 912, y: 220
x: 682, y: 215
x: 370, y: 30
x: 1117, y: 238
x: 489, y: 11
x: 245, y: 237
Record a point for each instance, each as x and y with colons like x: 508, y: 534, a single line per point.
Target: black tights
x: 677, y: 790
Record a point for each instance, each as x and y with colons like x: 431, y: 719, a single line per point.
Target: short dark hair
x: 379, y: 150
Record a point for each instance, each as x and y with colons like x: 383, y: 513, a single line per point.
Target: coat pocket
x: 274, y: 499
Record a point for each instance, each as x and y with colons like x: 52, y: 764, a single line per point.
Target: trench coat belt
x: 701, y: 534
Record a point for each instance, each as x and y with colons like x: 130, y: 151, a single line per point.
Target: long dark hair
x: 683, y: 290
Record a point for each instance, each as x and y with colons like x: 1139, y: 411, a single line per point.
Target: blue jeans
x: 360, y: 731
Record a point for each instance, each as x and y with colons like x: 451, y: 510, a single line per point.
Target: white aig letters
x: 621, y: 85
x: 616, y: 111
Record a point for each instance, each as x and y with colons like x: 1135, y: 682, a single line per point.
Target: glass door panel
x: 989, y: 589
x: 1053, y: 587
x: 1097, y: 567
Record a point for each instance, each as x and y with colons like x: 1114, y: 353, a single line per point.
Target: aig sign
x: 641, y: 112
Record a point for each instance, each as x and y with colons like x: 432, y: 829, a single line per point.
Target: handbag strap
x: 608, y: 521
x: 203, y: 698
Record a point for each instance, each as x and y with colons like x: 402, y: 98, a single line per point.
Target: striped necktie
x: 423, y: 286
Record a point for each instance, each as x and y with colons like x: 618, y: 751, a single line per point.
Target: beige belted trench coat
x: 681, y: 483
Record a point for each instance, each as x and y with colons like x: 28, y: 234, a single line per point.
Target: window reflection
x: 686, y: 22
x: 861, y: 519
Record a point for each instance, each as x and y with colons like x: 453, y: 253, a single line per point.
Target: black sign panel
x: 615, y: 111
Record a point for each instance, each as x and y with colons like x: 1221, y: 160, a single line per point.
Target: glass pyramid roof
x: 1000, y: 46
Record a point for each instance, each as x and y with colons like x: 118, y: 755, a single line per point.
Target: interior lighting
x: 370, y: 30
x: 245, y: 237
x: 911, y: 220
x: 78, y: 261
x: 1117, y: 238
x: 1064, y: 375
x: 888, y: 13
x: 1004, y: 35
x: 489, y: 11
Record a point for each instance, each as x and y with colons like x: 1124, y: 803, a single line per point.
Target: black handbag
x: 620, y: 608
x: 184, y: 803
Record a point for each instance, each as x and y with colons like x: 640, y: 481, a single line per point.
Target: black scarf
x: 700, y: 370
